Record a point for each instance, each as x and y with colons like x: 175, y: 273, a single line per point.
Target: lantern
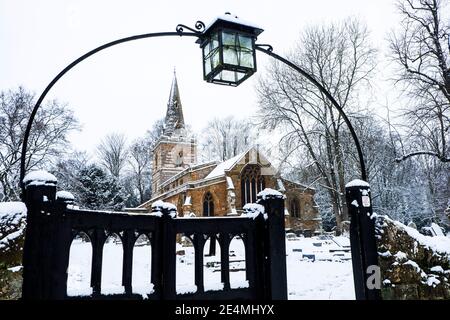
x: 228, y: 46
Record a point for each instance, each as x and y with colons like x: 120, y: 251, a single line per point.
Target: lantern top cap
x: 232, y: 21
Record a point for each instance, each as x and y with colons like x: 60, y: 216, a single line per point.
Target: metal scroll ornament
x: 199, y: 28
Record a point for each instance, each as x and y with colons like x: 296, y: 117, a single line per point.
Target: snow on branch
x: 418, y: 153
x: 12, y: 223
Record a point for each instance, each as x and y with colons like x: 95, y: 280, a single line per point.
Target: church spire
x: 174, y: 116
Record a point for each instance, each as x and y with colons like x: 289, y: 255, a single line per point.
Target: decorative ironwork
x: 45, y: 275
x: 199, y: 25
x: 199, y: 28
x: 267, y: 46
x: 261, y: 47
x: 39, y: 227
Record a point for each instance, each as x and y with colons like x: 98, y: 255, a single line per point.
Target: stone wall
x: 12, y: 235
x: 310, y: 221
x: 413, y: 266
x: 218, y: 191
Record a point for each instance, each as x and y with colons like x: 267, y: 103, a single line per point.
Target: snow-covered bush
x: 12, y: 229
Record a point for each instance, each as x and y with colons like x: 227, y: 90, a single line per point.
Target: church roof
x: 174, y: 116
x: 227, y: 165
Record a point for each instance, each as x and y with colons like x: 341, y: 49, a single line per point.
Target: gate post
x: 275, y: 245
x: 167, y: 242
x: 363, y: 241
x: 40, y: 191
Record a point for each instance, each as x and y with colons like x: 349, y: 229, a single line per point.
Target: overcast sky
x: 126, y: 88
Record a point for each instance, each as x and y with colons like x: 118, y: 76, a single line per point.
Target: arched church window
x: 208, y: 205
x: 294, y: 208
x: 252, y: 182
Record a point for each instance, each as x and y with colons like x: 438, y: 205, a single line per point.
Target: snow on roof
x: 224, y: 166
x: 284, y: 180
x: 357, y: 183
x: 230, y: 184
x: 188, y: 169
x: 235, y: 19
x: 39, y: 176
x: 280, y: 185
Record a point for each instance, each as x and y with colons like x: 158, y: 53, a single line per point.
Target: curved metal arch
x: 179, y: 32
x: 269, y: 51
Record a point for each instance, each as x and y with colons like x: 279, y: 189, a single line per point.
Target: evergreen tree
x: 99, y: 190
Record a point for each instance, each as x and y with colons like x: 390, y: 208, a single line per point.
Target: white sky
x: 126, y: 88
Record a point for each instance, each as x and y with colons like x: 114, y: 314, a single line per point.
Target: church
x: 220, y: 188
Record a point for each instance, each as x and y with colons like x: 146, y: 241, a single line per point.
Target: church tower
x: 176, y: 149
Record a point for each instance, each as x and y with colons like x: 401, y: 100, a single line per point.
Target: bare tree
x: 140, y: 160
x: 140, y: 163
x: 48, y: 137
x: 113, y: 153
x: 225, y: 138
x: 421, y: 50
x: 340, y: 57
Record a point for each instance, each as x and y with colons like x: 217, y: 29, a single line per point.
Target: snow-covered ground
x: 323, y: 275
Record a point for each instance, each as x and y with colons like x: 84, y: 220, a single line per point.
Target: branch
x: 418, y: 153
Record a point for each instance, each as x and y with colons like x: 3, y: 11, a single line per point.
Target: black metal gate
x: 53, y: 223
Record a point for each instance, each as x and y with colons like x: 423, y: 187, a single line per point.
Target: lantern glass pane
x: 230, y: 54
x: 246, y: 59
x: 229, y: 76
x: 214, y: 40
x: 246, y: 52
x: 207, y: 63
x: 211, y: 58
x: 206, y: 49
x: 237, y: 49
x: 215, y: 59
x: 246, y: 42
x: 228, y: 39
